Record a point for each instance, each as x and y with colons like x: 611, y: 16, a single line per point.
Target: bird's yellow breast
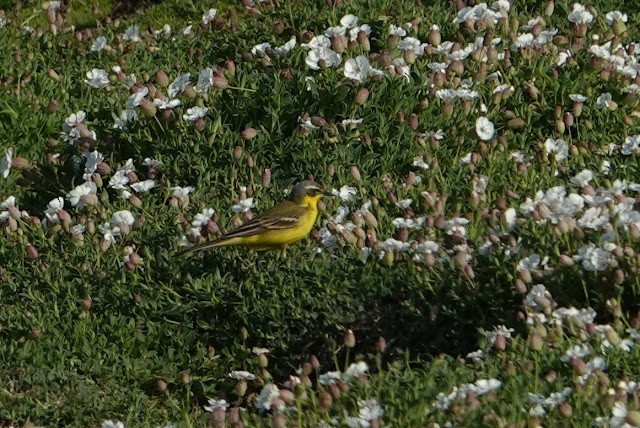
x: 280, y: 238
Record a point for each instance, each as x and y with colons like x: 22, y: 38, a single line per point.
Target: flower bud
x: 618, y: 27
x: 392, y: 41
x: 381, y: 345
x: 409, y: 57
x: 633, y: 418
x: 248, y: 133
x: 32, y: 252
x: 361, y: 96
x: 325, y: 400
x: 161, y: 385
x: 199, y: 124
x: 457, y: 67
x: 220, y: 82
x: 262, y: 359
x: 52, y: 74
x: 240, y: 388
x: 413, y: 121
x: 355, y: 173
x: 318, y: 121
x: 434, y: 36
x: 147, y: 108
x: 266, y: 177
x: 188, y: 91
x: 535, y: 341
x: 349, y: 339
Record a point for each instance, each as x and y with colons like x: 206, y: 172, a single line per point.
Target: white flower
x: 75, y: 197
x: 455, y: 225
x: 579, y: 15
x: 578, y: 98
x: 605, y: 100
x: 195, y: 113
x: 563, y: 57
x: 353, y: 32
x: 99, y: 44
x: 593, y: 258
x: 317, y: 42
x: 108, y: 233
x: 243, y: 206
x: 132, y: 34
x: 216, y: 404
x: 497, y: 331
x: 357, y: 69
x: 164, y: 103
x: 287, y: 47
x: 143, y: 186
x: 268, y: 393
x: 576, y: 351
x: 420, y: 163
x: 5, y: 163
x: 614, y: 16
x: 558, y: 148
x: 345, y: 193
x: 327, y: 55
x: 203, y: 217
x: 242, y: 375
x: 129, y: 80
x: 164, y: 31
x: 335, y: 31
x: 208, y: 16
x: 136, y: 97
x: 70, y: 126
x: 397, y: 31
x: 349, y: 21
x: 122, y: 217
x: 370, y: 410
x: 619, y: 412
x: 594, y: 218
x: 329, y: 377
x: 97, y: 78
x: 178, y: 85
x: 631, y: 145
x: 53, y: 207
x: 180, y: 192
x: 484, y: 128
x: 530, y: 262
x: 351, y: 123
x: 582, y: 178
x: 111, y: 424
x: 355, y: 369
x: 484, y: 386
x: 480, y: 184
x: 260, y: 49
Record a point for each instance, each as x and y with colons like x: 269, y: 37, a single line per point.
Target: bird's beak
x: 327, y: 193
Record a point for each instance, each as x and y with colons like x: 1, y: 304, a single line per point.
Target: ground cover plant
x: 477, y: 266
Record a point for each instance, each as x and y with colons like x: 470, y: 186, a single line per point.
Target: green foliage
x: 88, y: 335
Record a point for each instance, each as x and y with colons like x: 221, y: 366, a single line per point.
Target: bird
x: 287, y: 222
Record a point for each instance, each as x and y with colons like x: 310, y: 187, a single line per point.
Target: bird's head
x: 307, y: 192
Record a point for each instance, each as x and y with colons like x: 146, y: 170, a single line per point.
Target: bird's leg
x: 283, y: 252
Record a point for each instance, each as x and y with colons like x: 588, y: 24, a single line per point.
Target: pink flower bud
x: 248, y: 133
x: 31, y: 251
x: 349, y: 339
x: 361, y: 96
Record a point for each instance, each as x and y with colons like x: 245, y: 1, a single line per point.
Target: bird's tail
x: 215, y: 243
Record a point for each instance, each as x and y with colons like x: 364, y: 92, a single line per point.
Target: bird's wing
x: 282, y: 216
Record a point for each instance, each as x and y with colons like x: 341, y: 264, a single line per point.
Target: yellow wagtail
x: 289, y: 221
